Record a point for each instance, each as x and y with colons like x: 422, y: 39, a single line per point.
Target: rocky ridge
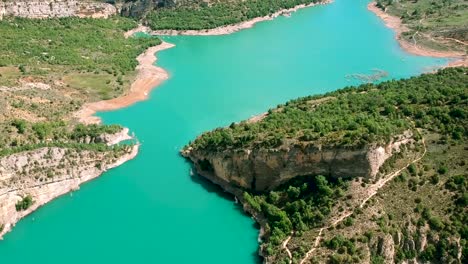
x: 265, y: 169
x: 56, y: 8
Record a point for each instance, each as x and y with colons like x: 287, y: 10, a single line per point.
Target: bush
x: 436, y: 223
x: 435, y: 179
x: 442, y: 170
x: 24, y: 203
x: 20, y: 125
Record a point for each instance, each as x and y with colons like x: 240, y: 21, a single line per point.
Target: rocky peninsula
x: 301, y: 177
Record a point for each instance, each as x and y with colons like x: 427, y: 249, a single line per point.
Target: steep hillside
x: 198, y: 15
x: 311, y: 168
x: 439, y: 25
x: 49, y: 69
x: 157, y: 14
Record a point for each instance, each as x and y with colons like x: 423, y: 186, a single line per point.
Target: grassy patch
x: 433, y: 23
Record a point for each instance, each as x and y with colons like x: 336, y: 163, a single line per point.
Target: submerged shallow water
x: 150, y: 210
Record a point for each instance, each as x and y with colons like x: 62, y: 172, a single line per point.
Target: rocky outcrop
x: 55, y: 8
x: 386, y: 248
x: 264, y: 169
x: 421, y: 241
x: 46, y: 173
x: 112, y: 139
x: 139, y: 8
x: 108, y: 139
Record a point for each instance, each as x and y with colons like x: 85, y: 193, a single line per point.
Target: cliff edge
x: 56, y: 8
x: 264, y: 169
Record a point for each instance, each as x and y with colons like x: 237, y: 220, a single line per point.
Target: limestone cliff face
x: 49, y: 172
x: 265, y: 169
x: 108, y: 139
x: 386, y: 248
x: 55, y: 8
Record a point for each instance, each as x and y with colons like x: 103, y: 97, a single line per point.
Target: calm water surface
x: 150, y: 210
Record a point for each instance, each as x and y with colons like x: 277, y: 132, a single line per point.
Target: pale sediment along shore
x: 43, y: 192
x: 229, y: 29
x: 395, y: 23
x: 148, y: 77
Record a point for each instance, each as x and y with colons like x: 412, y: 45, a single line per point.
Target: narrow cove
x: 151, y: 210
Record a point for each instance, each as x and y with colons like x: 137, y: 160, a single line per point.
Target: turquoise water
x: 150, y: 210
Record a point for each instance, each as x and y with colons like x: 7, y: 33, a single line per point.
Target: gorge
x: 152, y: 209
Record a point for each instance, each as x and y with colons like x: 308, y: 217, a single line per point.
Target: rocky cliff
x: 55, y: 8
x: 46, y: 173
x: 264, y: 169
x: 139, y: 8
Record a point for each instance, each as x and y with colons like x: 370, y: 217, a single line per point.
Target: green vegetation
x: 25, y: 203
x: 435, y: 24
x: 346, y: 249
x: 300, y: 204
x: 82, y: 131
x: 436, y: 105
x: 73, y: 60
x: 82, y: 44
x: 201, y: 15
x: 425, y: 218
x: 23, y: 136
x: 356, y: 116
x: 89, y: 55
x: 442, y: 223
x: 49, y: 68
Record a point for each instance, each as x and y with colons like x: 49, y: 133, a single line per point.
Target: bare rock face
x: 409, y: 244
x: 112, y: 139
x: 55, y: 8
x: 108, y: 139
x: 46, y: 173
x: 421, y: 242
x: 139, y: 8
x: 386, y: 248
x: 397, y: 238
x: 265, y: 169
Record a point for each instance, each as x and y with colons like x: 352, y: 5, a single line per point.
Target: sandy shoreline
x: 148, y: 77
x: 461, y: 59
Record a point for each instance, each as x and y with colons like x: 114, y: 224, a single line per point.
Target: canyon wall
x: 266, y: 169
x: 56, y: 8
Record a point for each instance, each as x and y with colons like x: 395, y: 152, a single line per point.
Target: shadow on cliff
x: 216, y: 189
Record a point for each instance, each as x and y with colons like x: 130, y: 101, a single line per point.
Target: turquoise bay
x: 150, y: 210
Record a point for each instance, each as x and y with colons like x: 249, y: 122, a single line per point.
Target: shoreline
x: 229, y: 29
x: 148, y: 77
x: 45, y: 193
x: 395, y: 23
x: 235, y: 192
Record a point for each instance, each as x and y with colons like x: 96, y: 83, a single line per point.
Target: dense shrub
x: 24, y: 203
x: 218, y: 14
x: 355, y: 116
